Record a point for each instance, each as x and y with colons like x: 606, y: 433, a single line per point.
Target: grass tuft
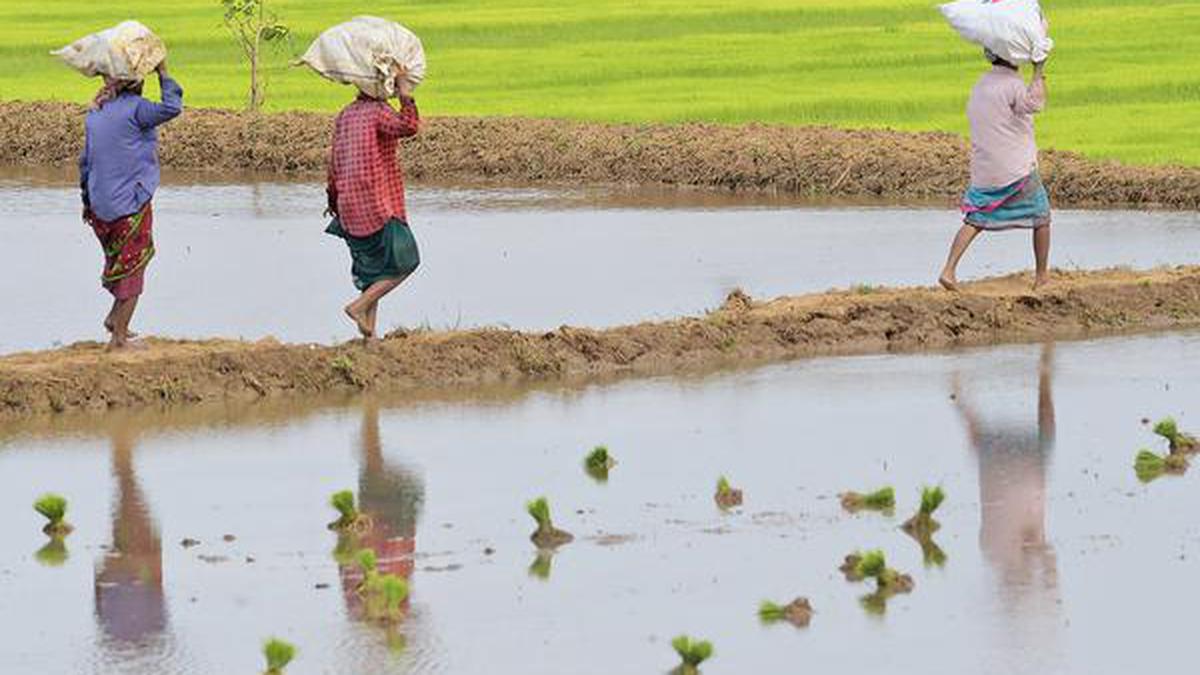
x: 692, y: 652
x: 278, y: 654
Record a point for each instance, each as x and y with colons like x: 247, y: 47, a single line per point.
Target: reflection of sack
x: 365, y: 52
x: 1014, y: 30
x: 127, y: 51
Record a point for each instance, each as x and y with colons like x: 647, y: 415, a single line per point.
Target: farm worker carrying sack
x: 1014, y: 30
x: 128, y: 51
x: 368, y: 52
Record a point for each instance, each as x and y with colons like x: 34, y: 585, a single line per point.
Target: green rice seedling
x: 883, y: 499
x: 692, y: 653
x: 1149, y: 466
x: 278, y: 654
x: 932, y: 555
x: 598, y: 463
x: 53, y: 554
x: 369, y: 564
x: 349, y: 517
x: 797, y: 612
x: 922, y: 523
x: 542, y: 565
x: 875, y: 603
x: 394, y: 591
x: 873, y: 564
x: 54, y: 508
x: 346, y: 551
x: 727, y: 496
x: 546, y: 535
x: 1177, y: 440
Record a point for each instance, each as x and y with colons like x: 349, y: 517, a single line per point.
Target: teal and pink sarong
x: 1022, y: 204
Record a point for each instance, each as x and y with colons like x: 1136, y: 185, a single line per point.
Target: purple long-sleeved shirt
x: 118, y: 170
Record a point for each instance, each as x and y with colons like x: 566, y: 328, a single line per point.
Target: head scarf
x: 111, y: 89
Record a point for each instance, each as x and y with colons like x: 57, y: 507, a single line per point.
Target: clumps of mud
x: 82, y: 377
x: 818, y: 161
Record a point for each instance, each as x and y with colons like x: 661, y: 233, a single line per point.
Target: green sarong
x: 390, y: 253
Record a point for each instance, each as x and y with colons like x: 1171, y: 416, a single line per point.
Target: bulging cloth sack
x: 127, y: 51
x: 365, y: 52
x: 1014, y: 30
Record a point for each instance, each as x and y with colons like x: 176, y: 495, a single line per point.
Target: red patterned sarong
x: 128, y: 247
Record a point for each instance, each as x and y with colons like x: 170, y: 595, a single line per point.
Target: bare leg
x: 1041, y: 256
x: 110, y: 321
x: 122, y: 314
x: 363, y: 310
x: 949, y: 277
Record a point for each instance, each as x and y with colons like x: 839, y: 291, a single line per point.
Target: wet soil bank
x: 813, y: 161
x: 1080, y: 304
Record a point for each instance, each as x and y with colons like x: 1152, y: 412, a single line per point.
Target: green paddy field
x: 1125, y: 79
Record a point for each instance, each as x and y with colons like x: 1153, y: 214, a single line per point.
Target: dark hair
x: 996, y: 60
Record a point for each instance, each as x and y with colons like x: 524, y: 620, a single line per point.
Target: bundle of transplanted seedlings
x: 546, y: 535
x: 278, y: 655
x: 1176, y: 439
x: 883, y: 499
x: 349, y: 517
x: 54, y: 508
x: 873, y: 565
x: 386, y: 599
x: 598, y: 462
x: 369, y: 564
x: 922, y: 524
x: 727, y: 496
x: 691, y: 654
x: 798, y: 612
x: 1149, y: 466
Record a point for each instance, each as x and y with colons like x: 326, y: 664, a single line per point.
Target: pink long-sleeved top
x: 1001, y: 110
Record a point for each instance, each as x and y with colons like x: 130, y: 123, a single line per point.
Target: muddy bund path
x: 1077, y: 305
x: 810, y: 161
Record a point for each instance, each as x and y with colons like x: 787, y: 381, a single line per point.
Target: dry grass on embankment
x: 821, y: 162
x: 1080, y: 304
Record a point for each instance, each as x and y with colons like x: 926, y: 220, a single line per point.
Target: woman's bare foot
x: 360, y: 319
x: 130, y: 335
x: 125, y: 345
x: 1041, y: 281
x: 948, y: 282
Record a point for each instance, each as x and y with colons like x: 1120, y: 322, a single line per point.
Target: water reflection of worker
x: 1013, y: 460
x: 130, y: 602
x: 391, y: 495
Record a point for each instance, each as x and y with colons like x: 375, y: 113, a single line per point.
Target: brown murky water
x: 1057, y: 560
x: 251, y: 260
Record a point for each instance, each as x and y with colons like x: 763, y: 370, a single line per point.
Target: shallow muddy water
x: 1057, y: 559
x: 251, y: 260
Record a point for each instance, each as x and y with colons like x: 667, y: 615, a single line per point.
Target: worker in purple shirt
x: 118, y: 174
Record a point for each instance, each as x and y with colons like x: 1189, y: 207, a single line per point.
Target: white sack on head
x: 1014, y: 30
x: 127, y: 51
x: 365, y: 52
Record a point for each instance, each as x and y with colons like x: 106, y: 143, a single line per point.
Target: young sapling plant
x: 54, y: 508
x: 546, y: 535
x: 278, y: 655
x: 727, y: 496
x: 1176, y: 440
x: 873, y: 564
x: 598, y: 463
x: 798, y: 612
x: 1149, y: 466
x: 349, y: 517
x: 922, y: 524
x: 393, y: 591
x: 368, y: 562
x: 883, y: 499
x: 692, y: 653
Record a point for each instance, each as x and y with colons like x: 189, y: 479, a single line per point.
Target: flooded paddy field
x: 250, y: 259
x: 1054, y: 556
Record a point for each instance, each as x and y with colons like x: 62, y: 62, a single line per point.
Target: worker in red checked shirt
x: 366, y: 198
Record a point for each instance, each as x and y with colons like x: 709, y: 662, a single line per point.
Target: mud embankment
x: 811, y: 161
x: 167, y: 372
